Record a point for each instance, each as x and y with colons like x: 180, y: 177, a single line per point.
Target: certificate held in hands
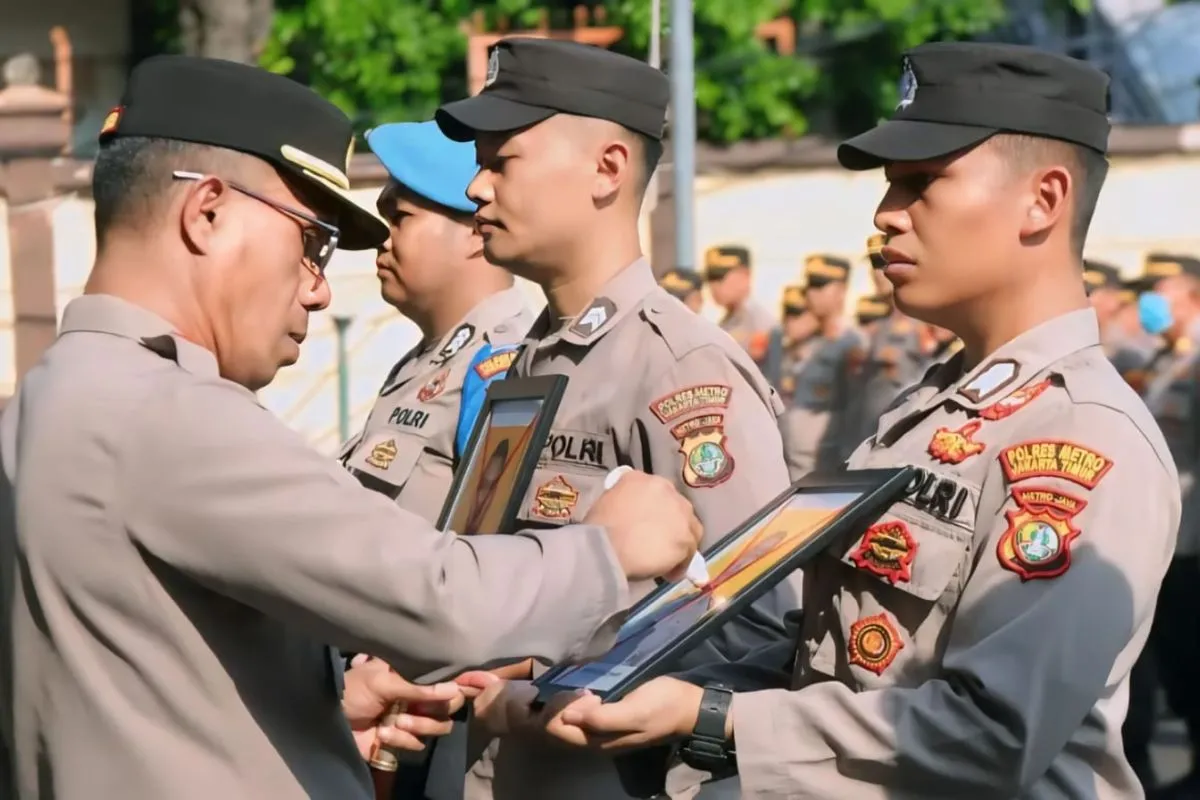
x: 783, y: 536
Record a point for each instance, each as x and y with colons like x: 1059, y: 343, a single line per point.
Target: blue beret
x: 421, y: 158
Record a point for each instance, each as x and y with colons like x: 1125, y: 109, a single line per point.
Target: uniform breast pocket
x: 561, y: 494
x: 899, y: 581
x: 383, y: 461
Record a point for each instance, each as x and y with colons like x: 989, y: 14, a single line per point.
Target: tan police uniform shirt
x: 656, y: 387
x: 406, y: 449
x: 893, y: 360
x: 1173, y: 397
x: 813, y: 425
x: 750, y: 325
x: 977, y: 640
x: 174, y: 559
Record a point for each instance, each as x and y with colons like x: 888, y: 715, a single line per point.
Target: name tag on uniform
x: 409, y: 418
x: 579, y: 448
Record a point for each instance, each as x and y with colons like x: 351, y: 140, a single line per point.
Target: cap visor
x: 489, y: 113
x: 908, y: 140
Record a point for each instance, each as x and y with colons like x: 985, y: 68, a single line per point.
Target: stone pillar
x: 34, y: 130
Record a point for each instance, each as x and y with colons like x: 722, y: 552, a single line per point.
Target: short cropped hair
x: 648, y: 151
x: 1087, y: 167
x: 132, y: 177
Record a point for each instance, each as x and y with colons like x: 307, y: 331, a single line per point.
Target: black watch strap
x: 707, y: 748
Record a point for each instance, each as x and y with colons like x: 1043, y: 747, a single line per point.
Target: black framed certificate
x: 787, y: 533
x: 502, y: 454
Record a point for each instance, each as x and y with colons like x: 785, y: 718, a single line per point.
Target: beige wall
x: 1148, y: 203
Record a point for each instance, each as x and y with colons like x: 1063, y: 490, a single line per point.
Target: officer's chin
x: 508, y: 258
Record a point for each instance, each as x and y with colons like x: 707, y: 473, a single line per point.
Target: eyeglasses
x: 320, y: 238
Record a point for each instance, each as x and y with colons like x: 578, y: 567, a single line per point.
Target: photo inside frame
x: 493, y: 467
x: 733, y: 568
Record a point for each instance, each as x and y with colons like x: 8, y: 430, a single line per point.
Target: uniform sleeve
x: 708, y: 430
x: 489, y: 364
x: 220, y: 490
x: 1046, y: 626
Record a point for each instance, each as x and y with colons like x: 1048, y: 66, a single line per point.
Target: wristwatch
x: 707, y: 748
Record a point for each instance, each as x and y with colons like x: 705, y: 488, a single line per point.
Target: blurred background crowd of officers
x: 837, y: 372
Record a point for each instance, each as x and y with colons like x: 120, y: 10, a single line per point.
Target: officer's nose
x: 315, y: 295
x: 891, y: 217
x: 479, y: 190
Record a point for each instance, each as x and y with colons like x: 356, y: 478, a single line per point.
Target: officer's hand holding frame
x: 790, y: 531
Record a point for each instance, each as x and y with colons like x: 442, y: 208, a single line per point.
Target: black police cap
x: 239, y: 107
x: 794, y: 302
x: 719, y: 261
x: 821, y: 268
x: 1099, y: 275
x: 955, y: 95
x: 530, y: 80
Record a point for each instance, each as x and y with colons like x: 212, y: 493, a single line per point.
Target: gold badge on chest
x: 887, y: 550
x: 383, y: 454
x: 555, y: 499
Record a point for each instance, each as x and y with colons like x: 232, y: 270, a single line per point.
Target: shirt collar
x: 1017, y: 362
x: 103, y: 313
x: 616, y: 299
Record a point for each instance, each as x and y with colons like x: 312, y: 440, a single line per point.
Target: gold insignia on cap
x: 110, y: 122
x: 672, y: 282
x: 713, y: 257
x: 1093, y: 278
x: 817, y: 266
x: 793, y: 297
x: 314, y: 167
x: 1163, y: 269
x: 868, y: 306
x: 875, y: 243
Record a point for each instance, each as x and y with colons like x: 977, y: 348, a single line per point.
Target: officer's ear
x: 614, y: 169
x: 202, y: 218
x: 1048, y: 200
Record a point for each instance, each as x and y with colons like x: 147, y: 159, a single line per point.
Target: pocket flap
x: 910, y: 551
x: 387, y: 456
x: 559, y: 496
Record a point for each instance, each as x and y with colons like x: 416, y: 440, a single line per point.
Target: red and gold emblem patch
x: 1054, y: 458
x: 1015, y: 401
x: 887, y: 549
x: 492, y: 366
x: 955, y: 446
x: 436, y: 385
x: 874, y: 643
x: 1037, y: 543
x: 555, y: 499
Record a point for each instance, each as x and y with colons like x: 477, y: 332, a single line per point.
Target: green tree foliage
x: 393, y: 60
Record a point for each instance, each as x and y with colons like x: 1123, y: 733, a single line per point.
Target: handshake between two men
x: 653, y: 532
